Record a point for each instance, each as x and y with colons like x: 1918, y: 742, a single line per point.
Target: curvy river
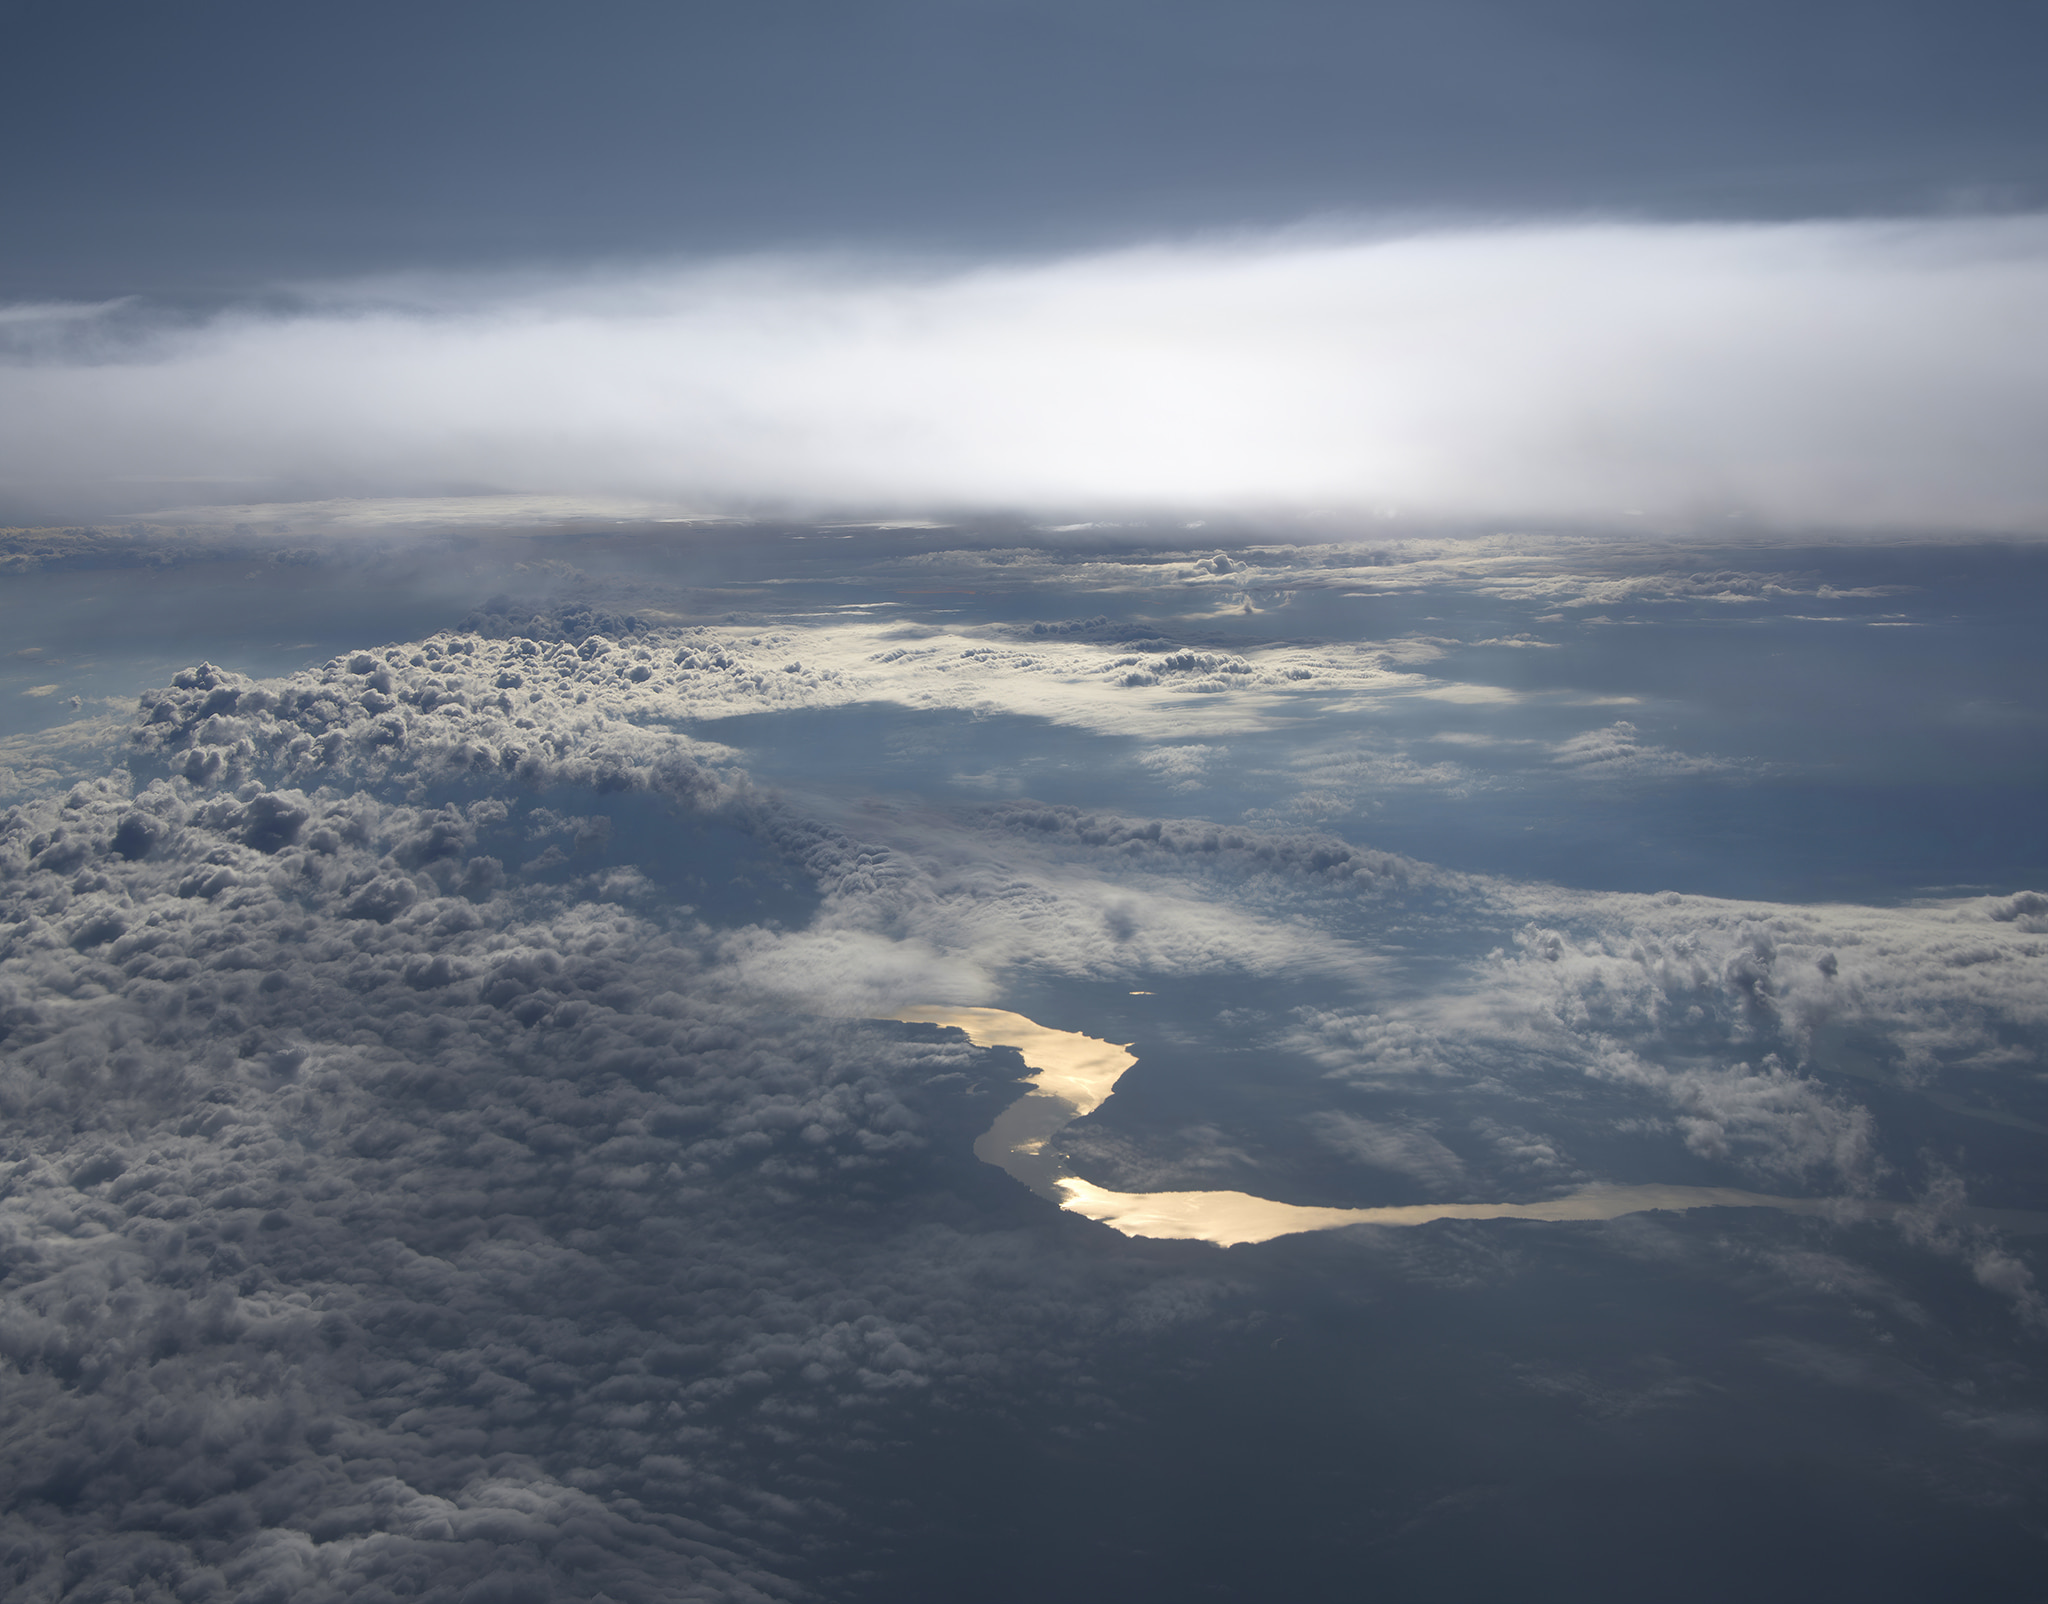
x: 1073, y: 1074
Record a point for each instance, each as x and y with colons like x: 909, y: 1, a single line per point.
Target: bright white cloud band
x: 1884, y: 374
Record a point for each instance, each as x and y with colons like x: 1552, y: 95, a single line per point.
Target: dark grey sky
x: 206, y: 148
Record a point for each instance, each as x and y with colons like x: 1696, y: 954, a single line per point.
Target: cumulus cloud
x: 383, y: 1222
x: 399, y: 1198
x: 1619, y: 752
x: 1844, y: 373
x: 1184, y: 767
x: 1737, y: 1030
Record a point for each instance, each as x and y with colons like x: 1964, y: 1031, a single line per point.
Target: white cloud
x: 1184, y: 767
x: 1620, y: 752
x: 304, y: 1086
x: 1843, y: 373
x: 1402, y: 1149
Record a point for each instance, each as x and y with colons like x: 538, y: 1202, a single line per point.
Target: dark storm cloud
x: 402, y: 1201
x: 373, y: 1229
x: 227, y: 146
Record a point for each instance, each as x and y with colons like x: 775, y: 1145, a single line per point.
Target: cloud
x: 1822, y: 373
x: 377, y: 1226
x: 1184, y: 767
x: 1619, y: 752
x: 1407, y: 1151
x: 400, y: 1200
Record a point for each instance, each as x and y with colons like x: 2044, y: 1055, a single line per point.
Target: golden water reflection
x: 1073, y: 1074
x: 1227, y: 1218
x: 1082, y: 1070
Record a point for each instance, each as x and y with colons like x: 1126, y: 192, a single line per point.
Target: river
x: 1074, y: 1074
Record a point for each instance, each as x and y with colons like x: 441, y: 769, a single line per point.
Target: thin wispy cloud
x: 1872, y: 374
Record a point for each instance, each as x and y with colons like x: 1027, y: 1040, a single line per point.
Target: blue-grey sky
x: 195, y: 150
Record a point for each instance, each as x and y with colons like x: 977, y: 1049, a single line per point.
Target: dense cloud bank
x: 377, y: 1229
x: 406, y: 1196
x: 1868, y: 373
x: 1744, y: 995
x: 359, y: 1192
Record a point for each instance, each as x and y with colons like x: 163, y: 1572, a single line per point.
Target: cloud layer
x: 400, y: 1199
x: 1877, y: 374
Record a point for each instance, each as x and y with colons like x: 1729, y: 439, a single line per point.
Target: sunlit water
x: 1074, y: 1074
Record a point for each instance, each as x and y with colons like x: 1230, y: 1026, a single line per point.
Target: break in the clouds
x: 1821, y: 373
